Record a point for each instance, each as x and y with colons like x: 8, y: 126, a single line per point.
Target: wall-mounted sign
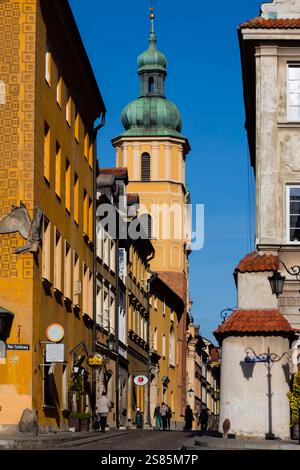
x: 55, y: 352
x: 261, y: 358
x: 55, y: 332
x: 95, y: 361
x: 140, y: 380
x: 18, y: 347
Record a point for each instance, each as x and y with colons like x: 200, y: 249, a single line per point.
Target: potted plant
x: 76, y: 391
x: 294, y: 399
x: 74, y: 421
x: 84, y: 419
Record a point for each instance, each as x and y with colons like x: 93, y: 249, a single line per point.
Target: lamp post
x: 268, y: 358
x: 277, y: 280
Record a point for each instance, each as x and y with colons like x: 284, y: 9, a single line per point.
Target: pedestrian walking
x: 103, y: 408
x: 157, y: 417
x: 188, y: 417
x: 163, y: 414
x: 203, y: 419
x: 169, y: 417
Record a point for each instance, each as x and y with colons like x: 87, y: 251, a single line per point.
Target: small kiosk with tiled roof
x: 254, y: 398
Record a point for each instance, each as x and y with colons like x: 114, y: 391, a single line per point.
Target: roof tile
x: 256, y: 262
x: 263, y: 23
x: 254, y: 321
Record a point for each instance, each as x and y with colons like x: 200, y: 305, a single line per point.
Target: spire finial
x: 152, y: 38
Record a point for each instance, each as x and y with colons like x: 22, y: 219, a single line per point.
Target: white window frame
x: 288, y: 188
x: 290, y: 65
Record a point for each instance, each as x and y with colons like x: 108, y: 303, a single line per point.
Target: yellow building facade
x: 47, y: 160
x: 166, y: 310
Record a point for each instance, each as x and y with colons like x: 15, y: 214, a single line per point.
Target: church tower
x: 154, y: 152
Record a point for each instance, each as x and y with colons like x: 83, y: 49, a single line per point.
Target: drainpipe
x: 149, y: 282
x: 95, y: 132
x: 117, y: 308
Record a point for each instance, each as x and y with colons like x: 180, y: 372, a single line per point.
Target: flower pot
x: 74, y: 423
x: 84, y: 425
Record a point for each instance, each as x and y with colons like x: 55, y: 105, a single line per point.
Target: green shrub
x: 294, y: 399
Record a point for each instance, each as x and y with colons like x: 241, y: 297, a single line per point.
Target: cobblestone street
x: 138, y: 440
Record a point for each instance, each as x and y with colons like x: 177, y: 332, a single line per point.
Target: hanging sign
x: 261, y: 358
x: 55, y: 332
x: 95, y: 361
x: 55, y: 352
x: 140, y: 380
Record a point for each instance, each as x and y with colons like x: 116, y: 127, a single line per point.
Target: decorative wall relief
x: 19, y: 220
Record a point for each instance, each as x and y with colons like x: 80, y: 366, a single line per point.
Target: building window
x: 68, y: 271
x: 145, y: 167
x: 46, y: 269
x: 172, y: 350
x: 58, y: 171
x: 151, y: 85
x: 77, y: 125
x: 69, y: 109
x: 2, y: 92
x: 155, y: 345
x: 90, y: 294
x: 164, y: 308
x: 57, y: 260
x: 68, y: 186
x: 86, y: 146
x: 91, y: 154
x: 76, y: 279
x: 294, y: 92
x: 90, y: 221
x: 164, y: 346
x: 48, y: 65
x: 85, y: 212
x: 47, y: 152
x: 85, y: 290
x: 293, y: 211
x: 59, y: 89
x: 99, y: 303
x: 76, y: 198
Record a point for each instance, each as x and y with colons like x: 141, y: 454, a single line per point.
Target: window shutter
x: 145, y: 167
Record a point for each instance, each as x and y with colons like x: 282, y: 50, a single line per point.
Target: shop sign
x: 95, y: 361
x: 55, y: 352
x: 140, y: 380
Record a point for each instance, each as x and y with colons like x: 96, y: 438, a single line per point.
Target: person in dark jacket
x: 203, y: 419
x: 157, y: 417
x: 188, y: 416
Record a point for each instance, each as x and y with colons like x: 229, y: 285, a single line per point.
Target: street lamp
x: 111, y: 342
x: 190, y: 392
x: 277, y: 280
x: 268, y: 358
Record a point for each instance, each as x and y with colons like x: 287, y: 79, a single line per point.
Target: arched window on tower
x: 151, y: 85
x: 145, y: 167
x: 146, y: 226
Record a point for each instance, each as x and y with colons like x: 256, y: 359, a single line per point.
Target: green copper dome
x: 152, y: 113
x: 151, y: 116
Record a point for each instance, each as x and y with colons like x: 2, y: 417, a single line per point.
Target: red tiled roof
x: 263, y: 23
x: 256, y: 262
x: 254, y: 321
x: 176, y: 281
x: 133, y: 198
x: 114, y: 171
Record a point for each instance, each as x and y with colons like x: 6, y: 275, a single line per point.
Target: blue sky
x: 204, y: 79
